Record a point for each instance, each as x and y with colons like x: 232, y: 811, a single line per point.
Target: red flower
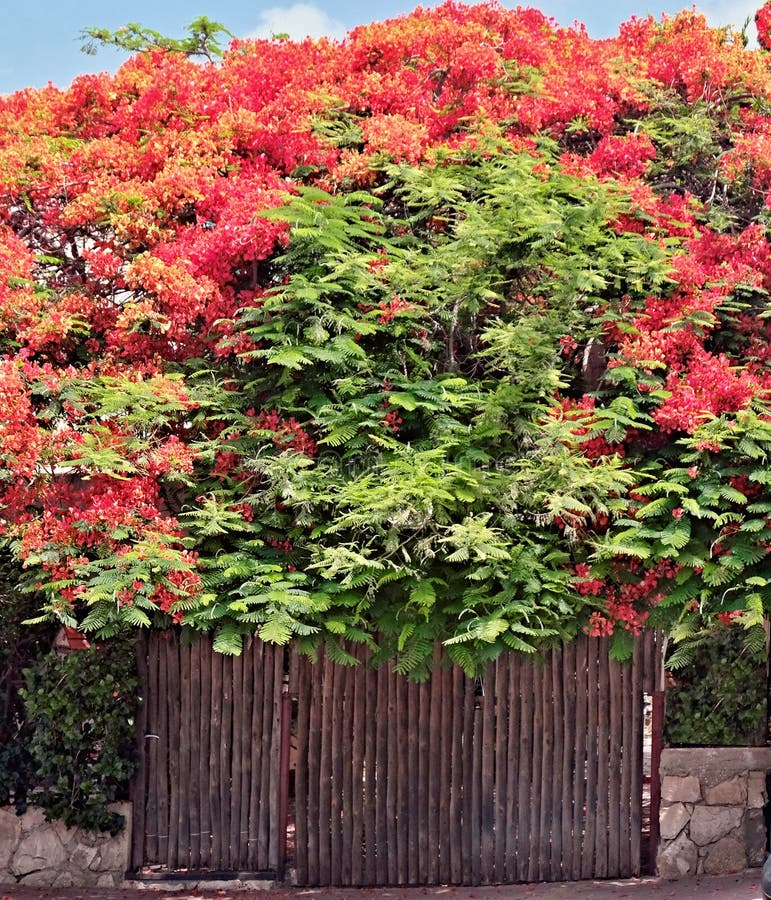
x: 763, y: 25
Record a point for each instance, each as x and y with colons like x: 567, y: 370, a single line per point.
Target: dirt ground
x: 745, y: 886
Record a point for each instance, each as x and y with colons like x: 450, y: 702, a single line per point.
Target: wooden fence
x: 206, y: 795
x: 531, y: 773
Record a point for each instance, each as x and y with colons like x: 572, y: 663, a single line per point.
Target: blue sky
x: 39, y: 41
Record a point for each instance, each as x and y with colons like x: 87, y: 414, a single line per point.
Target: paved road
x: 727, y: 887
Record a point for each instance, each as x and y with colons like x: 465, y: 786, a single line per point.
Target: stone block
x: 41, y: 878
x: 64, y: 879
x: 710, y: 823
x: 756, y: 790
x: 113, y: 855
x: 64, y: 834
x: 678, y: 859
x: 725, y: 857
x: 40, y: 849
x: 680, y: 789
x: 731, y: 792
x: 107, y: 881
x: 10, y: 834
x: 82, y: 856
x: 714, y: 764
x: 755, y: 837
x: 33, y: 819
x: 672, y: 820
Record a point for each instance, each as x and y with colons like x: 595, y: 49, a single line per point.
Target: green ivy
x: 719, y: 699
x: 20, y: 646
x: 81, y: 710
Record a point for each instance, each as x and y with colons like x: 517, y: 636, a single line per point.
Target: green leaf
x: 228, y: 640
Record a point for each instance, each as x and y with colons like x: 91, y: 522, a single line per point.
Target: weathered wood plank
x: 303, y: 668
x: 533, y: 872
x: 337, y: 749
x: 381, y: 777
x: 154, y: 697
x: 392, y: 779
x: 639, y: 662
x: 163, y: 750
x: 444, y: 746
x: 614, y: 764
x: 581, y: 760
x: 139, y: 786
x: 512, y: 767
x: 476, y: 794
x: 603, y: 761
x: 184, y: 759
x: 558, y: 741
x: 325, y: 775
x: 226, y: 759
x: 424, y: 731
x: 173, y: 706
x: 236, y: 763
x: 245, y: 753
x: 314, y: 771
x: 277, y: 656
x: 255, y: 762
x: 434, y: 772
x: 370, y: 784
x: 501, y: 771
x: 456, y: 777
x: 468, y: 776
x: 348, y: 726
x: 204, y: 736
x: 401, y: 724
x: 525, y: 772
x: 568, y: 709
x: 592, y: 749
x: 266, y: 748
x: 627, y: 739
x: 194, y: 728
x: 413, y: 768
x: 215, y: 794
x: 487, y: 859
x: 358, y: 770
x: 547, y: 770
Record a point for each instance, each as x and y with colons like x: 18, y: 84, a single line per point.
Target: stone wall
x: 712, y: 810
x: 48, y: 854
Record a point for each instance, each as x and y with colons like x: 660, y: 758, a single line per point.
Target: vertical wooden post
x: 657, y: 741
x: 283, y: 778
x: 767, y: 629
x: 139, y: 782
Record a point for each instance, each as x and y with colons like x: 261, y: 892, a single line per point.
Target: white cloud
x: 300, y: 20
x: 732, y: 12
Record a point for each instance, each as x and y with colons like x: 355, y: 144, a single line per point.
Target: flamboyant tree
x: 457, y: 329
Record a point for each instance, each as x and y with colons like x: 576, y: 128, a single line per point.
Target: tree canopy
x: 455, y: 329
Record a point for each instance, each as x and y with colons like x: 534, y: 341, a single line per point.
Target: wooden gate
x: 532, y: 773
x: 206, y: 794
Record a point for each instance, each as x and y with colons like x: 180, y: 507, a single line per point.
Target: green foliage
x: 81, y: 710
x: 491, y: 398
x: 718, y: 695
x: 690, y: 511
x: 435, y: 503
x: 204, y: 39
x: 20, y: 646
